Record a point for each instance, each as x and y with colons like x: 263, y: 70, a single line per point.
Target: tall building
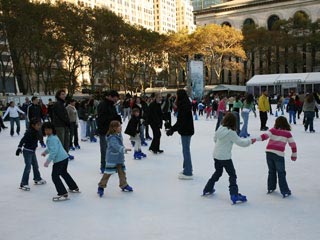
x: 202, y: 4
x: 184, y: 15
x: 165, y: 16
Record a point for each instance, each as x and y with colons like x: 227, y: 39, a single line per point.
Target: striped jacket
x: 278, y: 140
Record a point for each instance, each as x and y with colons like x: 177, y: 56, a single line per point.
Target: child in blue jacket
x: 114, y: 159
x: 60, y: 159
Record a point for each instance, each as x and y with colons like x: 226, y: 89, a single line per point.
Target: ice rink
x: 162, y: 207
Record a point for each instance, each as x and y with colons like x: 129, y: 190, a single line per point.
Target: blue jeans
x: 237, y: 115
x: 30, y: 159
x: 309, y: 116
x: 187, y: 164
x: 276, y: 165
x: 244, y: 129
x: 292, y: 116
x: 220, y: 117
x: 142, y: 138
x: 12, y: 121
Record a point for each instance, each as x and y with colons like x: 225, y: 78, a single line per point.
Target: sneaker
x: 40, y: 182
x: 100, y: 191
x: 127, y: 189
x: 185, y: 177
x: 71, y: 157
x: 72, y: 148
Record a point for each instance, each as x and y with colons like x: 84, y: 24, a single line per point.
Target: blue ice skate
x: 77, y: 146
x: 100, y: 191
x: 136, y: 156
x: 144, y: 143
x: 142, y: 154
x: 71, y: 157
x: 72, y: 148
x: 127, y: 189
x: 93, y: 139
x: 102, y: 170
x: 238, y: 198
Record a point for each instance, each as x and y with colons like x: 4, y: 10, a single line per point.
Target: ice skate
x: 43, y: 145
x: 40, y: 182
x: 238, y: 198
x: 127, y: 189
x: 136, y: 156
x: 185, y: 177
x: 286, y: 194
x: 71, y: 157
x: 77, y: 146
x: 142, y: 154
x: 144, y: 143
x: 206, y: 192
x: 270, y: 191
x: 100, y: 191
x: 74, y: 190
x: 61, y: 198
x: 72, y: 148
x: 24, y: 187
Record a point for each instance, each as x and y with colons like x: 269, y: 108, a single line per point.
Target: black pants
x: 60, y: 169
x: 1, y: 124
x: 263, y: 119
x: 155, y: 144
x: 228, y: 166
x: 147, y: 131
x: 74, y: 139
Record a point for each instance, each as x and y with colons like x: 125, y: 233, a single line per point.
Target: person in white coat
x: 13, y: 112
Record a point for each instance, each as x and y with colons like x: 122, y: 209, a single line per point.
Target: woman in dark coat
x: 185, y: 128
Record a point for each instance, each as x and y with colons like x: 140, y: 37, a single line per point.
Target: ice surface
x: 162, y: 207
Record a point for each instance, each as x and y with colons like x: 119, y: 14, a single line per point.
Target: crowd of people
x: 60, y: 121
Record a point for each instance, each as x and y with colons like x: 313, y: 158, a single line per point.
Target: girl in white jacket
x: 224, y: 139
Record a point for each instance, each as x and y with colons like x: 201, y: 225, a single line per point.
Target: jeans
x: 60, y: 169
x: 220, y: 117
x: 309, y: 116
x: 276, y: 165
x: 237, y: 115
x: 244, y: 130
x: 187, y: 164
x: 91, y: 129
x: 30, y: 159
x: 219, y: 166
x: 292, y: 117
x: 12, y: 121
x: 142, y: 138
x: 74, y: 134
x: 103, y: 150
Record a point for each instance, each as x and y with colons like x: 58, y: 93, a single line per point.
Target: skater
x: 133, y: 130
x: 279, y: 136
x: 185, y: 128
x: 74, y: 123
x: 221, y: 111
x: 29, y: 143
x: 264, y: 108
x: 114, y: 159
x: 308, y: 109
x: 291, y: 109
x: 224, y: 139
x: 34, y: 112
x: 60, y: 159
x: 248, y: 106
x: 13, y: 112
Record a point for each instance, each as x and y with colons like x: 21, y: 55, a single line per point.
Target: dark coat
x: 30, y: 139
x: 155, y: 115
x: 60, y: 115
x: 133, y: 126
x: 83, y: 114
x: 184, y: 124
x: 34, y: 112
x: 106, y: 113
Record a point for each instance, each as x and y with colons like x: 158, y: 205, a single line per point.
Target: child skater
x: 279, y: 136
x: 224, y: 139
x: 29, y: 142
x: 114, y: 159
x: 60, y: 159
x: 133, y: 130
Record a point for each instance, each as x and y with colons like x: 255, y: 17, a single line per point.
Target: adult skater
x: 155, y: 122
x: 185, y: 128
x: 264, y: 108
x: 60, y: 120
x: 106, y: 113
x: 248, y: 106
x: 34, y: 111
x: 13, y: 112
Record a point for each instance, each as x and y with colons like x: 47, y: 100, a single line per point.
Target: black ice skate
x: 74, y: 190
x: 24, y: 187
x: 40, y: 182
x: 60, y: 198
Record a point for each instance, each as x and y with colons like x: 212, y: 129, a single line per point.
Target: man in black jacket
x: 34, y: 112
x: 106, y: 113
x: 60, y: 120
x: 155, y: 122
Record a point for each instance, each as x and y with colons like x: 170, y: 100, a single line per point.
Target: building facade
x: 185, y: 19
x: 262, y: 13
x: 202, y: 4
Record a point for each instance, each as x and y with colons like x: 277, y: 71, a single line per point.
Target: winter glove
x: 167, y: 125
x: 169, y: 132
x: 293, y: 158
x: 18, y: 151
x: 253, y: 140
